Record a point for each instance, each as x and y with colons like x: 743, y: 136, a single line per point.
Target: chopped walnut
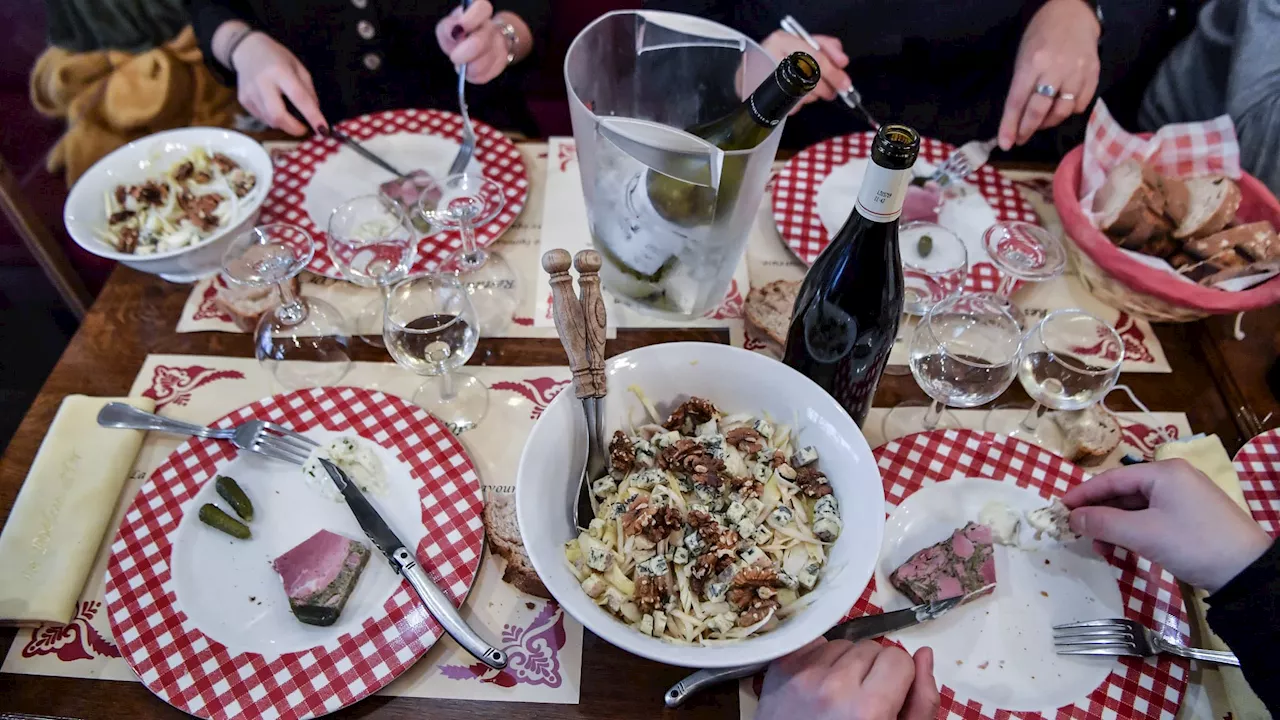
x: 150, y: 193
x: 779, y: 459
x: 754, y: 577
x: 651, y: 593
x: 690, y: 414
x: 128, y: 239
x: 202, y: 177
x: 183, y: 171
x: 745, y: 439
x: 707, y: 566
x: 224, y: 163
x: 748, y: 487
x: 740, y: 598
x: 688, y: 457
x: 200, y: 210
x: 812, y: 482
x: 622, y: 455
x: 121, y: 193
x: 650, y: 521
x: 759, y: 609
x: 119, y: 217
x: 712, y: 532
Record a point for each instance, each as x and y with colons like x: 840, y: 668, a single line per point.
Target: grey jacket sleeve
x: 1253, y: 89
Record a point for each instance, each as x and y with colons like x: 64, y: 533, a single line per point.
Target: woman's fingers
x: 923, y: 699
x: 1034, y: 115
x: 1090, y: 86
x: 1014, y: 105
x: 480, y: 12
x: 1119, y: 483
x: 834, y: 49
x: 304, y: 100
x: 275, y: 114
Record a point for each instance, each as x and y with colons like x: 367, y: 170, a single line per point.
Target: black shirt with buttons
x: 371, y: 55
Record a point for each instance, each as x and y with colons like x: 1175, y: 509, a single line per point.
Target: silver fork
x: 463, y: 158
x: 961, y: 163
x: 1126, y: 637
x: 265, y: 438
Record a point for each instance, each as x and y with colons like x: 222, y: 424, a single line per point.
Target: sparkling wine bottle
x: 847, y: 312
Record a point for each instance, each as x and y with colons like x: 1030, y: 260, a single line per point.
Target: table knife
x: 404, y: 563
x: 860, y: 628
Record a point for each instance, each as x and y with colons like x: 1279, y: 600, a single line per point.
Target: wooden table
x: 136, y: 314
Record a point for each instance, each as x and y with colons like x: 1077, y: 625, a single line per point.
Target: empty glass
x: 963, y: 354
x: 935, y: 265
x: 305, y: 341
x: 371, y: 242
x: 1069, y: 361
x: 465, y: 203
x: 430, y: 327
x: 1023, y: 251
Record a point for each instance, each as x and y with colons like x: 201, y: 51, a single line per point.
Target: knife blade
x: 404, y: 563
x: 859, y: 628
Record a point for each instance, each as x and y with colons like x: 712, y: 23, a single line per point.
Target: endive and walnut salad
x: 709, y: 527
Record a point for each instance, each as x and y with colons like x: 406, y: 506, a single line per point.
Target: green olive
x: 924, y: 246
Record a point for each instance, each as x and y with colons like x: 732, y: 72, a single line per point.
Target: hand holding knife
x: 861, y: 628
x: 849, y: 96
x: 403, y: 562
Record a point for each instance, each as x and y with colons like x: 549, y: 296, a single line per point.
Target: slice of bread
x: 503, y: 532
x: 1261, y: 243
x: 1123, y: 198
x: 768, y: 313
x: 1177, y: 199
x: 246, y: 304
x: 1092, y: 434
x: 1212, y: 203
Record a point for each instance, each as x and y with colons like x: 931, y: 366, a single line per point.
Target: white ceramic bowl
x: 736, y: 381
x: 152, y: 156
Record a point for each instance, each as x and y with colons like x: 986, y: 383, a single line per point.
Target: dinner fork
x: 1126, y: 637
x: 463, y: 158
x: 258, y: 436
x: 960, y: 164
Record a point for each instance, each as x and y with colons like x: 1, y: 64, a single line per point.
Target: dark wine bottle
x: 847, y: 312
x: 689, y: 204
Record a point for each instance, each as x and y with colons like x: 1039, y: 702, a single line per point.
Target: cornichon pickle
x: 924, y: 246
x: 214, y: 517
x: 235, y: 497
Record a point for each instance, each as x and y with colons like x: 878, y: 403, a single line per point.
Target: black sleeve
x: 721, y: 11
x: 535, y: 13
x: 206, y: 17
x: 1245, y: 613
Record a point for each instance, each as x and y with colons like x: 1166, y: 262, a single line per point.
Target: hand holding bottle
x: 1172, y: 514
x: 831, y: 62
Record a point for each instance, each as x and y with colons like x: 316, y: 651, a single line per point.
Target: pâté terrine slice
x: 961, y: 564
x: 319, y: 575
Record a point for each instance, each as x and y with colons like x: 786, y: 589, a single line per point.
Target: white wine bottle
x: 690, y: 204
x: 847, y: 312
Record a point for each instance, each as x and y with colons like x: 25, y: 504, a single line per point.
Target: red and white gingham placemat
x: 795, y: 198
x: 494, y: 151
x: 1258, y: 465
x: 1139, y: 688
x: 194, y: 672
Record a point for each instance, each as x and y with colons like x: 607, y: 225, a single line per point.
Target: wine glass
x: 305, y: 342
x: 464, y: 203
x: 1069, y: 361
x: 963, y: 354
x: 935, y: 264
x: 430, y: 327
x: 371, y: 242
x: 1023, y: 251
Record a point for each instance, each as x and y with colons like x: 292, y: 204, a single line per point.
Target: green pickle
x: 214, y: 517
x: 228, y: 490
x: 924, y: 246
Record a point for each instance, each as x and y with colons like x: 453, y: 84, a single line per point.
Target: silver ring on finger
x: 1069, y: 97
x: 1047, y: 90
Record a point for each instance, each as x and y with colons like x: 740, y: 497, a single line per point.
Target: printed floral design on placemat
x: 1144, y: 438
x: 532, y: 653
x: 209, y: 309
x: 732, y: 306
x: 174, y: 385
x: 523, y: 321
x: 1130, y: 332
x: 568, y: 155
x: 77, y: 640
x: 539, y: 391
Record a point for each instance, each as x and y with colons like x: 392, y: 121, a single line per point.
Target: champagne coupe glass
x: 430, y: 327
x: 371, y: 242
x: 465, y: 203
x: 963, y: 354
x: 305, y: 342
x: 1023, y: 251
x: 1069, y: 361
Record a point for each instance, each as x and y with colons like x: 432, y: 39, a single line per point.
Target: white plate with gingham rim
x: 192, y: 658
x: 1258, y: 465
x: 797, y: 197
x: 314, y: 177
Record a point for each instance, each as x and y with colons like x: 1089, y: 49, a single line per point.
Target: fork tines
x: 1098, y: 637
x: 280, y: 443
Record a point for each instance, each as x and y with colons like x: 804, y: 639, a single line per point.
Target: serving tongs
x: 580, y: 322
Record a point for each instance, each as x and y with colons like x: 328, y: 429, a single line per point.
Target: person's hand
x: 473, y: 38
x: 839, y: 679
x: 266, y: 72
x: 1058, y: 48
x: 831, y: 62
x: 1172, y: 514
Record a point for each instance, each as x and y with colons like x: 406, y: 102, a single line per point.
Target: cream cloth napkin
x: 53, y: 532
x: 1208, y: 456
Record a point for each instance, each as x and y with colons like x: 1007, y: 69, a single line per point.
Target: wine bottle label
x: 883, y: 192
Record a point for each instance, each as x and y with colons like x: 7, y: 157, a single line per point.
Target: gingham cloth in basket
x: 197, y: 674
x: 499, y: 157
x: 1181, y: 150
x: 1138, y: 688
x: 795, y: 195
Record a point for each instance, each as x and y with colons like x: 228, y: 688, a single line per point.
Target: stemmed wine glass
x: 305, y: 341
x: 935, y: 265
x: 1023, y: 251
x: 464, y: 203
x: 963, y: 354
x: 372, y: 243
x: 430, y: 327
x: 1069, y: 361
